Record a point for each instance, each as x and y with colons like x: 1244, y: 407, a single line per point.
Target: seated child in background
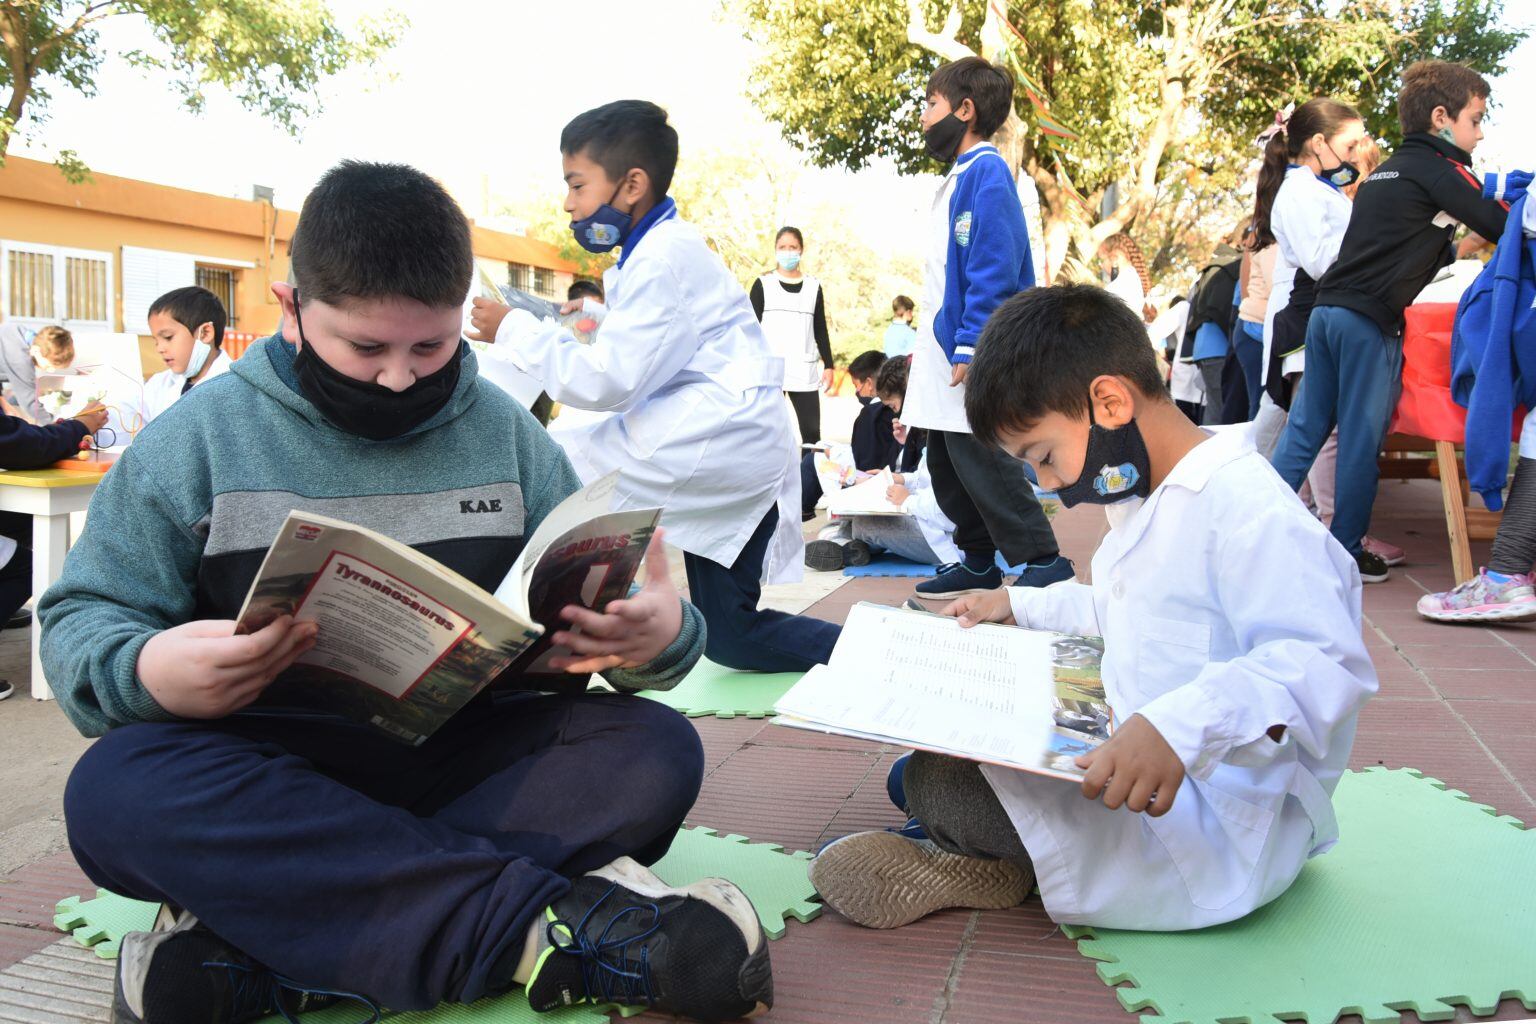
x: 188, y: 326
x: 696, y: 420
x: 872, y: 446
x: 1232, y: 658
x: 53, y: 350
x: 24, y: 446
x: 924, y: 534
x: 302, y: 855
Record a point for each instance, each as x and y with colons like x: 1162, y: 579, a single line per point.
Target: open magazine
x: 405, y: 642
x: 997, y: 694
x: 865, y: 499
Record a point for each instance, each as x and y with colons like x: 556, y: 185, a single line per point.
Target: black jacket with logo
x: 1400, y: 231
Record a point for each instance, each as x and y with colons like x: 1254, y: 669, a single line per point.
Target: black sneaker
x: 623, y: 936
x: 182, y: 972
x: 858, y: 553
x: 1373, y: 569
x: 20, y: 619
x: 1046, y: 573
x: 825, y: 555
x: 957, y: 580
x: 6, y: 689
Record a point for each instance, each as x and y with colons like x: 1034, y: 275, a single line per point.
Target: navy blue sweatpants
x: 741, y: 635
x: 348, y: 861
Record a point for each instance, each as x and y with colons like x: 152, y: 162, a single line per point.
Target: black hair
x: 583, y: 289
x: 192, y: 307
x: 622, y: 136
x: 892, y: 380
x: 866, y: 364
x: 376, y: 231
x: 989, y: 87
x: 1428, y: 84
x: 903, y: 303
x: 787, y: 230
x: 1041, y: 351
x: 1320, y: 115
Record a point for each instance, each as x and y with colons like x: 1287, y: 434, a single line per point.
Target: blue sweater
x: 987, y: 259
x: 180, y: 525
x: 1493, y: 346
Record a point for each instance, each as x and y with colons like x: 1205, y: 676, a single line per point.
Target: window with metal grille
x: 518, y: 276
x: 220, y: 281
x: 42, y: 284
x: 544, y: 282
x: 30, y: 275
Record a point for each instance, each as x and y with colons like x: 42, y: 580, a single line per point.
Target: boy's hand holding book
x: 203, y: 670
x: 987, y: 606
x: 486, y: 316
x: 631, y: 632
x: 1135, y: 768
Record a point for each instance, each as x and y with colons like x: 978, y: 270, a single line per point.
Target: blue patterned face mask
x: 604, y: 229
x: 1115, y: 467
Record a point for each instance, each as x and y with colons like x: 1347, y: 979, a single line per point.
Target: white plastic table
x: 48, y: 496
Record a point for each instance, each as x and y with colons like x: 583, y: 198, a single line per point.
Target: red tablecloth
x: 1426, y: 408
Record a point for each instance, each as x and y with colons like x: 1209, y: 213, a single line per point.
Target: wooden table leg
x: 50, y: 543
x: 1455, y: 511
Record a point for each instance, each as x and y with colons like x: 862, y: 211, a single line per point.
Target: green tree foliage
x: 1166, y: 95
x: 270, y: 54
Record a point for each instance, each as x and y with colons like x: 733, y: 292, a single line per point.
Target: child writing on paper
x: 1232, y: 659
x: 696, y: 422
x: 923, y: 534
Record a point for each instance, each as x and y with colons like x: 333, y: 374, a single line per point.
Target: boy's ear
x: 966, y: 112
x: 637, y: 187
x: 285, y: 293
x: 1114, y: 401
x: 204, y: 332
x: 1440, y: 117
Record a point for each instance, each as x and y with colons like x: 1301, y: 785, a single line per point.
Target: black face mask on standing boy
x: 362, y: 407
x: 944, y: 137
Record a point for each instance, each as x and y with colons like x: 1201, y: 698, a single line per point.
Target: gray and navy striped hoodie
x: 178, y: 528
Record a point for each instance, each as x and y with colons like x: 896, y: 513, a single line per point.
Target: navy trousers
x: 740, y: 634
x: 345, y: 860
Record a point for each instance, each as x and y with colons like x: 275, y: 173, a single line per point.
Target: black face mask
x: 1342, y: 175
x: 1115, y: 467
x: 364, y: 408
x: 943, y: 139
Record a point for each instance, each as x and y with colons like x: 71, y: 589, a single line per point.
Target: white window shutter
x: 147, y: 275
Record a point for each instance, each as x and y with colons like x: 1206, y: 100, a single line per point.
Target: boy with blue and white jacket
x: 978, y: 257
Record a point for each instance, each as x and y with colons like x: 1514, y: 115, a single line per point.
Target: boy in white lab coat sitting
x: 695, y: 420
x: 1232, y: 657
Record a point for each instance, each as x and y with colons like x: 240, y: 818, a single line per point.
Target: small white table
x: 48, y: 496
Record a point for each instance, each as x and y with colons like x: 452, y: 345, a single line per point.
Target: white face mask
x: 201, y: 350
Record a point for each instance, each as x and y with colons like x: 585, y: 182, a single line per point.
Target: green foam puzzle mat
x: 102, y: 922
x: 775, y: 881
x: 712, y: 689
x: 1426, y: 904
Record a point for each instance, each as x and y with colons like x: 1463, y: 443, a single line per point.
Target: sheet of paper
x: 919, y: 679
x: 865, y: 499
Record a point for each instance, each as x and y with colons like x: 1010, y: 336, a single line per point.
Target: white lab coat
x: 930, y: 401
x: 162, y: 390
x: 695, y: 416
x: 1226, y: 609
x: 923, y: 506
x: 1308, y: 220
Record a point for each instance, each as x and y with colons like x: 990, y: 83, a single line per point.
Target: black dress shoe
x: 19, y: 620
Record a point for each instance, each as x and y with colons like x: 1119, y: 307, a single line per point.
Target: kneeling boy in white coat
x: 1232, y: 658
x: 696, y: 422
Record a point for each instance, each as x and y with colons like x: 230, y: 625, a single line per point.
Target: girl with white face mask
x: 794, y: 316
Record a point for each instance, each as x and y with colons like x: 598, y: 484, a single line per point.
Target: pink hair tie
x: 1282, y: 119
